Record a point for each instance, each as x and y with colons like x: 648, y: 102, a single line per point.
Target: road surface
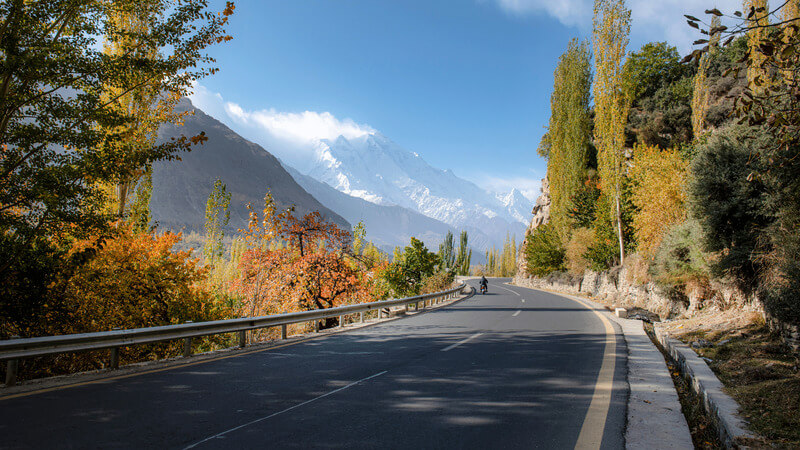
x: 515, y: 368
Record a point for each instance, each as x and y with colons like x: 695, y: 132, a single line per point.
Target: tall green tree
x: 217, y: 217
x: 410, y: 267
x: 141, y: 97
x: 447, y: 251
x: 464, y: 256
x: 569, y: 131
x: 700, y: 94
x: 612, y: 102
x: 61, y: 135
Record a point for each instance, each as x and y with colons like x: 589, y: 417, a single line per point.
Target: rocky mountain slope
x: 181, y: 187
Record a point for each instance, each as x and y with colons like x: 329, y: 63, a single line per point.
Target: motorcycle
x: 483, y: 289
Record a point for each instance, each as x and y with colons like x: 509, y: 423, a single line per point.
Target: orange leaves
x: 313, y: 228
x: 295, y: 264
x: 134, y: 280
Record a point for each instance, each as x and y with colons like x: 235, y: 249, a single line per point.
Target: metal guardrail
x: 13, y: 350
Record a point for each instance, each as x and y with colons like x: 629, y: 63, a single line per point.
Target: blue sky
x: 464, y: 83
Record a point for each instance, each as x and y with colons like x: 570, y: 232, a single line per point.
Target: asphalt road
x: 515, y: 368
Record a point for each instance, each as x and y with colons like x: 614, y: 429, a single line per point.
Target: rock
x: 641, y: 317
x: 723, y: 342
x: 701, y: 343
x: 541, y: 215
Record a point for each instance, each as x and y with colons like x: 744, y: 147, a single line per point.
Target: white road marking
x: 447, y: 349
x: 509, y: 290
x: 218, y: 435
x: 516, y: 313
x: 523, y: 300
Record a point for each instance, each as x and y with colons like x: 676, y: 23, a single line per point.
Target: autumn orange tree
x: 128, y: 280
x: 298, y: 263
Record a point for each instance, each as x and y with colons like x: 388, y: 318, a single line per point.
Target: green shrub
x: 543, y: 251
x: 728, y: 202
x: 680, y: 257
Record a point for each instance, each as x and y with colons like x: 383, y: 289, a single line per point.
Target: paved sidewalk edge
x: 654, y: 415
x: 720, y: 406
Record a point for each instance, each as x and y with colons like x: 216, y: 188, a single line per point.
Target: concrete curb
x: 719, y: 405
x: 654, y: 415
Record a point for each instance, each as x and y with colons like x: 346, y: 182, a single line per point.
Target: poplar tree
x: 757, y: 13
x: 217, y: 217
x: 139, y: 96
x: 569, y: 131
x: 700, y: 94
x: 446, y: 251
x: 464, y: 256
x: 62, y: 137
x: 610, y: 38
x: 790, y: 16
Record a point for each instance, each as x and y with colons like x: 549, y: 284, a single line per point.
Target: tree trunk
x: 619, y: 232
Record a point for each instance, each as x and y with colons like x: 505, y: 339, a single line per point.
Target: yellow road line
x: 591, y: 435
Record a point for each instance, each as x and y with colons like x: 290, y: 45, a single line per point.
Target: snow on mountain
x: 374, y: 168
x: 518, y: 205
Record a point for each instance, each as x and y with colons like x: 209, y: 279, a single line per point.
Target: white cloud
x: 288, y: 135
x: 568, y: 12
x: 306, y: 126
x: 651, y: 20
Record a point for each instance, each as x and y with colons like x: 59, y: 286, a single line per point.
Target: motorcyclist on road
x: 484, y: 283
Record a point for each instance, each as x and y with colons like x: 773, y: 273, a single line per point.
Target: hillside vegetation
x: 686, y: 168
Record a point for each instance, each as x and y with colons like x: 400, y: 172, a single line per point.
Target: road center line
x: 509, y: 290
x: 447, y: 349
x: 285, y: 410
x: 516, y: 313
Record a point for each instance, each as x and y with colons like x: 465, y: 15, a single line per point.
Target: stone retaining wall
x: 612, y: 286
x: 617, y: 286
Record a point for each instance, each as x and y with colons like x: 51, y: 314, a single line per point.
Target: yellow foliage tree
x: 569, y: 131
x: 700, y: 94
x: 757, y: 14
x: 659, y: 194
x: 612, y: 103
x: 139, y: 95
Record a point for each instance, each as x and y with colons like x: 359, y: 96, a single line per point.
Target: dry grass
x: 759, y: 372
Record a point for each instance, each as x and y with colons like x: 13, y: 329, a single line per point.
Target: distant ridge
x: 181, y: 188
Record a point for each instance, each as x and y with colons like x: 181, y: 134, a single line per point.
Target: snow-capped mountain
x: 518, y: 205
x: 374, y: 168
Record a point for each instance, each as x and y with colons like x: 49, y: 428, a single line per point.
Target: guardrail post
x: 341, y: 321
x: 114, y: 354
x: 406, y: 308
x: 283, y: 331
x: 12, y: 366
x: 316, y: 326
x: 187, y: 345
x: 242, y: 338
x: 361, y: 317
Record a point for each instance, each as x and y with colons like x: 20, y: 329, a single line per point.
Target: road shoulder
x: 654, y: 417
